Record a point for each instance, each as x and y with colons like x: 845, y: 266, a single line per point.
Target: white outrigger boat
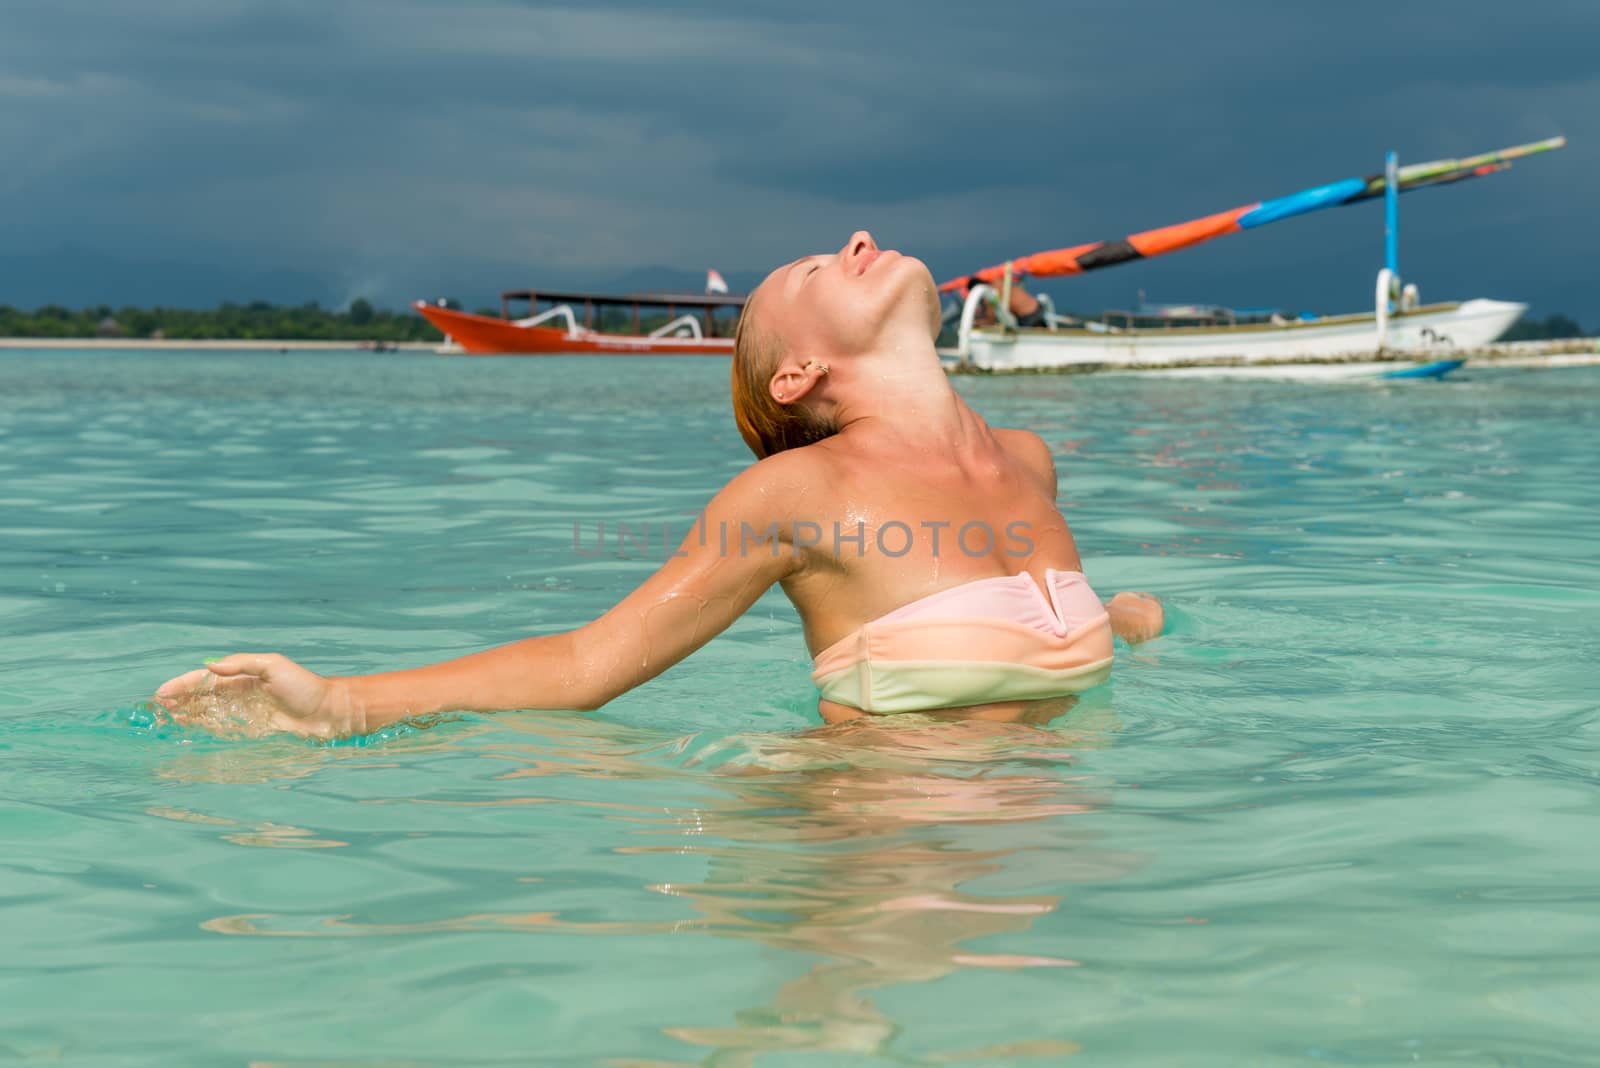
x: 1399, y: 338
x: 1332, y: 346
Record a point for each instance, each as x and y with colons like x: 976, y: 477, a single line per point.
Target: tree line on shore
x: 1550, y: 328
x: 257, y: 320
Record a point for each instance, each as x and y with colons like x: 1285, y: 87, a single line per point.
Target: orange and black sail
x: 1097, y: 254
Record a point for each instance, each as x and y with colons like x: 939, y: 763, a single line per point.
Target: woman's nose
x: 859, y: 242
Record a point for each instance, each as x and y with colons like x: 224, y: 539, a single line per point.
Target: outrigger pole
x: 1097, y: 254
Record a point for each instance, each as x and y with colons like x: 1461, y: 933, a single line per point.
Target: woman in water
x: 921, y: 547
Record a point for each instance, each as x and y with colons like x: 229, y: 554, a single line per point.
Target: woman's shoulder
x: 1031, y: 451
x: 798, y: 466
x: 792, y: 477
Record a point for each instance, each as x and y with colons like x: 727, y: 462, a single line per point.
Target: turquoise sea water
x: 1344, y: 813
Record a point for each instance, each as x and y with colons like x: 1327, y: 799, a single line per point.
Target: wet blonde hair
x: 767, y: 426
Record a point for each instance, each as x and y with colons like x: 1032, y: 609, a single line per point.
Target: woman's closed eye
x: 806, y: 271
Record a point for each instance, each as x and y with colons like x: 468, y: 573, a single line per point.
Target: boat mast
x: 1391, y: 215
x: 1388, y: 299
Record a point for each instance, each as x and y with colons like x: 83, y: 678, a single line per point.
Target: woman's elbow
x: 592, y: 702
x: 594, y: 678
x: 586, y: 689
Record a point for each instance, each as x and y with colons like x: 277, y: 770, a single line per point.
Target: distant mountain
x: 79, y: 277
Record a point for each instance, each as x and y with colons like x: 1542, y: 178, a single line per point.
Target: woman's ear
x: 794, y: 379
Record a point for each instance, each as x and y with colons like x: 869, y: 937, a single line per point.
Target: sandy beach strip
x: 1537, y: 360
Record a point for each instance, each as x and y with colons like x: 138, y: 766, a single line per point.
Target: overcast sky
x: 189, y: 151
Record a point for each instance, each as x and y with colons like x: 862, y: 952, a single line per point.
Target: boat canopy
x: 1096, y: 254
x: 1157, y: 315
x: 1202, y: 311
x: 677, y: 300
x: 594, y: 305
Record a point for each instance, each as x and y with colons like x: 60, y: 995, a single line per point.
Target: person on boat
x: 1026, y: 309
x: 921, y: 547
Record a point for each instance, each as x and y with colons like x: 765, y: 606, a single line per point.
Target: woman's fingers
x: 174, y: 690
x: 257, y: 664
x: 187, y: 681
x: 202, y: 680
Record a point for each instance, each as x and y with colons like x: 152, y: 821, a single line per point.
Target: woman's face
x: 849, y: 302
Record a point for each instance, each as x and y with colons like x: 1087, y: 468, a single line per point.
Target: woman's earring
x: 820, y: 366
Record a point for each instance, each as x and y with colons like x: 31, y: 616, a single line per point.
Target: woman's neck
x: 904, y: 393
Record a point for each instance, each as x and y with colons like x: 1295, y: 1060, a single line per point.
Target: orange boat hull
x: 483, y: 335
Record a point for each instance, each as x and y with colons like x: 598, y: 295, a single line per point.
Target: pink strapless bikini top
x: 982, y: 642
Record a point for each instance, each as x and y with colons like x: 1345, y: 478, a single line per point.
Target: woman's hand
x: 259, y: 693
x: 1136, y: 617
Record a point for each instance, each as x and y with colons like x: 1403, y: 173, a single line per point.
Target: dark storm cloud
x: 412, y: 147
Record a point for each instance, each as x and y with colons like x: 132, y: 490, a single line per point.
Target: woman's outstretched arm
x: 707, y: 584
